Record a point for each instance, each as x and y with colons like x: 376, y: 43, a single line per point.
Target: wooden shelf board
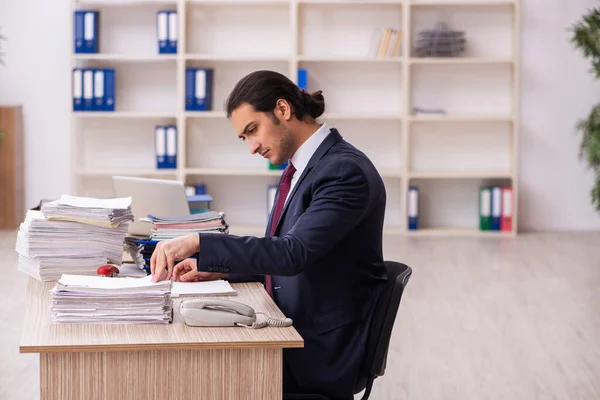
x: 205, y: 114
x: 125, y: 57
x: 456, y: 3
x: 457, y: 232
x: 238, y: 57
x: 459, y: 174
x: 124, y: 114
x: 124, y: 2
x: 353, y: 2
x: 233, y: 172
x: 239, y: 2
x: 349, y: 58
x: 126, y: 171
x: 361, y: 116
x: 460, y: 118
x: 459, y: 60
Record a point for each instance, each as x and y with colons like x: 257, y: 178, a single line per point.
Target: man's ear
x: 283, y: 110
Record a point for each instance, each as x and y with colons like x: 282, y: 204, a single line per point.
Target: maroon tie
x: 284, y: 189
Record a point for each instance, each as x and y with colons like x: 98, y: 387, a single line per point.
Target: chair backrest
x: 384, y: 317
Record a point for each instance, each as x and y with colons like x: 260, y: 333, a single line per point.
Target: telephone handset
x: 212, y: 312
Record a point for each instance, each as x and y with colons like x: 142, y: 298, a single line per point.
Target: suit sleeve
x: 340, y: 200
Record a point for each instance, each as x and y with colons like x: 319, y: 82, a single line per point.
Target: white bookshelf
x: 368, y: 98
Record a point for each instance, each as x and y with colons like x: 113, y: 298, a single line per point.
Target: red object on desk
x: 108, y: 270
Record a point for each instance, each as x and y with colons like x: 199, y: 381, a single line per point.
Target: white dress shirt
x: 305, y: 152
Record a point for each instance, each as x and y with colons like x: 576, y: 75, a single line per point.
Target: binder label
x: 200, y: 84
x: 172, y: 26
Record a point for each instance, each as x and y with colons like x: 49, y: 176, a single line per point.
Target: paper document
x: 208, y: 288
x: 120, y: 203
x: 218, y: 287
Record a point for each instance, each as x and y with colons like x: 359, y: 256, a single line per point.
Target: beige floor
x: 481, y: 319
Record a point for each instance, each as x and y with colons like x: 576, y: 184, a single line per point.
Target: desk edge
x: 159, y: 346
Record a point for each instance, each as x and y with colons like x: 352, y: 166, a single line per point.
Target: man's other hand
x: 187, y: 271
x: 168, y: 251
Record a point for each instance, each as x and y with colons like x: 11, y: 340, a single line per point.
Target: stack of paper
x: 164, y: 228
x: 73, y: 236
x: 99, y: 300
x: 88, y: 210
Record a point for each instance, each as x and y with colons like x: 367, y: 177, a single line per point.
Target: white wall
x: 36, y: 75
x: 557, y: 90
x: 554, y: 185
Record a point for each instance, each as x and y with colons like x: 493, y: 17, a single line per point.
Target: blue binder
x: 171, y: 148
x: 303, y: 78
x: 173, y: 33
x: 203, y: 89
x: 160, y: 146
x: 77, y: 89
x: 91, y: 19
x: 109, y: 89
x: 496, y: 208
x: 88, y: 89
x: 162, y: 31
x: 99, y: 92
x: 78, y: 32
x: 190, y: 86
x: 413, y: 208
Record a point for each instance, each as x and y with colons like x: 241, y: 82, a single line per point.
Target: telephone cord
x: 268, y: 321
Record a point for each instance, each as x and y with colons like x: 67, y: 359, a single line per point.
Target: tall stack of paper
x: 73, y: 235
x: 174, y: 226
x: 99, y: 300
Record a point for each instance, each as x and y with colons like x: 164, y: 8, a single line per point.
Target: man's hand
x: 168, y: 251
x: 187, y: 271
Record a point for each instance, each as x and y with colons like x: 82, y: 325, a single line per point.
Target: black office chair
x: 379, y: 333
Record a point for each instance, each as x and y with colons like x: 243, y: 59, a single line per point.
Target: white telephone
x: 211, y: 312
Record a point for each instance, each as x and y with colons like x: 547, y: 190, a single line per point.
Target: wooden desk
x: 172, y: 361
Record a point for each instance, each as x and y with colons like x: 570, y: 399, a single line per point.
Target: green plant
x: 586, y: 37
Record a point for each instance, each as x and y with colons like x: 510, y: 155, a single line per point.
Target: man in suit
x: 321, y: 257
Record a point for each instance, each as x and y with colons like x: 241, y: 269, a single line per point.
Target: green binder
x: 485, y: 206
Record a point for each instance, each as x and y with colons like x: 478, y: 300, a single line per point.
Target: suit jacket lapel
x: 331, y: 139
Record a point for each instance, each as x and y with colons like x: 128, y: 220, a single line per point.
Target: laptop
x: 159, y: 197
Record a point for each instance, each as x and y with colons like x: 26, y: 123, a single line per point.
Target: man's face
x: 264, y: 137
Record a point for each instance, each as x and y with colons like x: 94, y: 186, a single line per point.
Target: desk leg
x: 227, y: 374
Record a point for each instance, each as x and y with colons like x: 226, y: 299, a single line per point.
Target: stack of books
x: 73, y: 235
x: 170, y: 227
x: 79, y: 299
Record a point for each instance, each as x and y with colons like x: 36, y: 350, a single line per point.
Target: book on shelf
x: 303, y: 78
x: 198, y: 89
x: 413, y: 208
x: 85, y: 31
x: 93, y: 89
x: 389, y: 43
x: 495, y: 208
x: 167, y: 31
x: 165, y: 146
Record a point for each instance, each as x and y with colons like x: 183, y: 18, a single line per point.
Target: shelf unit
x: 368, y: 98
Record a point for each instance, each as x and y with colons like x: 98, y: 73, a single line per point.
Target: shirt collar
x: 304, y: 153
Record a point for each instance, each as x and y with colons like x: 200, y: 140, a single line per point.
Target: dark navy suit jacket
x: 327, y: 264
